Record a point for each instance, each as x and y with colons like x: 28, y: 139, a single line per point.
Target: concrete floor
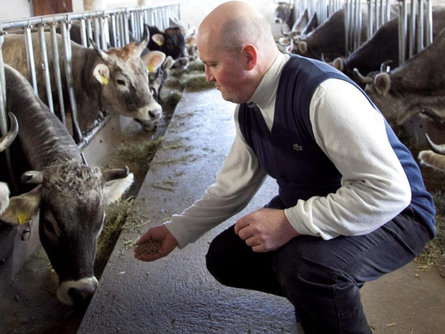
x: 177, y: 295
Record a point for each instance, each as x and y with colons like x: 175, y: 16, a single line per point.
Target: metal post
x: 103, y: 32
x: 83, y: 34
x: 420, y: 26
x: 30, y: 57
x: 376, y: 14
x: 57, y: 74
x: 402, y: 31
x: 370, y: 20
x: 97, y: 31
x: 126, y: 28
x: 3, y: 121
x: 347, y: 24
x: 89, y: 28
x: 358, y: 27
x: 45, y: 67
x: 412, y: 28
x: 429, y: 23
x: 77, y: 134
x: 114, y: 31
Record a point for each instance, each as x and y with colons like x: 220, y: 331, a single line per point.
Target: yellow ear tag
x: 104, y: 80
x: 151, y: 69
x: 159, y: 42
x: 23, y: 217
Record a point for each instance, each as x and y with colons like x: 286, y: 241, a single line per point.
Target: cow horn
x: 361, y: 77
x: 32, y: 177
x: 12, y: 133
x: 384, y: 65
x: 430, y: 113
x: 116, y: 173
x: 440, y: 149
x: 145, y: 39
x: 102, y: 55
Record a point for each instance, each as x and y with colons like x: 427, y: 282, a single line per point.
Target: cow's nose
x: 81, y: 295
x: 76, y: 292
x: 154, y: 114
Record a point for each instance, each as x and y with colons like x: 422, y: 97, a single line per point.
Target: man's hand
x: 265, y: 229
x: 160, y: 233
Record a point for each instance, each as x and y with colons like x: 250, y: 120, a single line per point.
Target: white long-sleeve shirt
x: 374, y: 187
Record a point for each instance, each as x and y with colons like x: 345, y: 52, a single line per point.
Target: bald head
x: 236, y: 45
x: 234, y: 24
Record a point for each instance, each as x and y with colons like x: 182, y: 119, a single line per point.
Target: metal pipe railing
x: 415, y: 27
x: 45, y: 67
x: 57, y: 72
x: 30, y: 57
x: 94, y: 25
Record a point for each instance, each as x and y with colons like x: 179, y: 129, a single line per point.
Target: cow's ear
x: 21, y: 208
x: 158, y: 39
x: 302, y: 47
x: 284, y: 41
x: 113, y: 190
x: 102, y: 74
x: 338, y: 63
x: 153, y: 60
x: 168, y: 63
x: 382, y: 83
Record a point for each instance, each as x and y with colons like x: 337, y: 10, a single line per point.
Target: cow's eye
x: 120, y: 82
x: 49, y: 230
x: 50, y: 226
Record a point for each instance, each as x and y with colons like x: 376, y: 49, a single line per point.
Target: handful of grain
x: 148, y: 247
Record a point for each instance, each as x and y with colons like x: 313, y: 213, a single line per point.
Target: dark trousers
x: 321, y: 278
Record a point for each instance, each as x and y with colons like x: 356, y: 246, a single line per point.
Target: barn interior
x: 175, y: 162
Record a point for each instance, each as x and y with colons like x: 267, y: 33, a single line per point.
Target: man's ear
x: 250, y: 53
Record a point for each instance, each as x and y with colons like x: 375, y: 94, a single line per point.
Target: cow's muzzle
x: 74, y: 293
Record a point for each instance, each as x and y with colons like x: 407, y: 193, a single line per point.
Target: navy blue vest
x: 289, y: 153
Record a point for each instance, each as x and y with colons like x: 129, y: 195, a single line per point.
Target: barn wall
x: 14, y: 9
x: 192, y: 11
x: 22, y: 8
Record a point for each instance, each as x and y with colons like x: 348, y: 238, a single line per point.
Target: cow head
x: 170, y: 41
x: 71, y: 199
x: 5, y: 142
x: 123, y: 77
x: 158, y: 73
x: 283, y: 13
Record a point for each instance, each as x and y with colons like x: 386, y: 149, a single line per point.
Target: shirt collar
x: 265, y: 93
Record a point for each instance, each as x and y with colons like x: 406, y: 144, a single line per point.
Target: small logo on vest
x: 297, y: 147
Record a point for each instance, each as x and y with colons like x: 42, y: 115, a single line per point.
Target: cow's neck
x: 86, y: 88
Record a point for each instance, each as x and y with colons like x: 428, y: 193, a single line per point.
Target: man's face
x: 226, y: 70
